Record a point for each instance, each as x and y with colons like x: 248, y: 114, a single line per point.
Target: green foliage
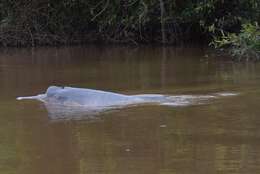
x: 245, y: 44
x: 51, y: 22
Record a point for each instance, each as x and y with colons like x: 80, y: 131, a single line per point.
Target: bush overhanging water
x: 49, y: 22
x: 245, y: 44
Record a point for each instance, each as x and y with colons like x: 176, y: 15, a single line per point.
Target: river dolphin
x: 70, y: 101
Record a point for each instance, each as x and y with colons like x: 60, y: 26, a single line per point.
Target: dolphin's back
x: 87, y: 97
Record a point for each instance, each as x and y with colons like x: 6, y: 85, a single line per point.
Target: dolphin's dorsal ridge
x: 52, y: 90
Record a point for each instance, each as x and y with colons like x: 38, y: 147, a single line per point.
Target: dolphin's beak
x: 37, y: 97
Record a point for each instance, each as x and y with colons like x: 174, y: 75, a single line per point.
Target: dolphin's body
x: 69, y: 101
x: 69, y: 96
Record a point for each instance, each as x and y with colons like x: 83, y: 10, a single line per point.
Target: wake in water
x: 75, y: 103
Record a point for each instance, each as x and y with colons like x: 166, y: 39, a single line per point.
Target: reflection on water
x: 220, y: 137
x: 61, y: 112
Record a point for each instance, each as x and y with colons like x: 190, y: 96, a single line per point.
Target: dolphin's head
x: 52, y: 90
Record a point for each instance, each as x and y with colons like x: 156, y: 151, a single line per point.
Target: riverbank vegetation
x: 243, y: 45
x: 47, y: 22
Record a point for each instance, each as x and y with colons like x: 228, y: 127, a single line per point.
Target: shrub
x: 244, y: 45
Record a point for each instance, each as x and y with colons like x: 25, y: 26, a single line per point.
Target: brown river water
x: 221, y: 136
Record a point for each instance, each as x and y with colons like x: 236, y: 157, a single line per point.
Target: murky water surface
x: 222, y: 136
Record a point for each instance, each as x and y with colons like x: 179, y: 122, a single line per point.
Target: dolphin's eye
x: 62, y: 98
